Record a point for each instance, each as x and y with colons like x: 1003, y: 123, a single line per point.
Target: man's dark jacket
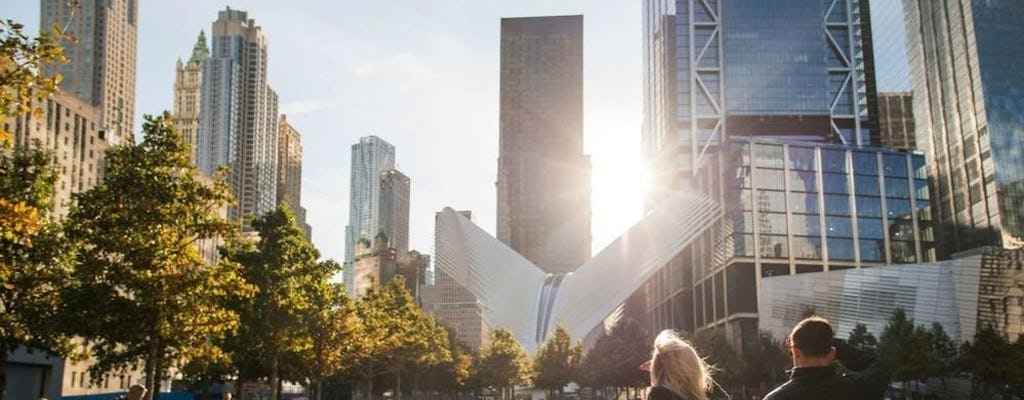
x: 867, y: 381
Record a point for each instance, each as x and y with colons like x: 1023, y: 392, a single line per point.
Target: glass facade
x: 830, y: 204
x: 719, y: 69
x: 968, y: 93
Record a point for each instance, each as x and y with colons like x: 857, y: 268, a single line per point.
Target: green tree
x: 282, y: 265
x: 503, y: 363
x: 766, y: 361
x: 34, y: 263
x: 141, y: 290
x: 452, y: 376
x: 720, y: 353
x: 945, y: 353
x: 557, y: 361
x: 615, y: 359
x: 905, y: 349
x: 335, y: 331
x: 396, y: 333
x: 862, y: 339
x: 991, y: 359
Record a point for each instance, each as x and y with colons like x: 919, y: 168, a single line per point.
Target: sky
x: 422, y: 75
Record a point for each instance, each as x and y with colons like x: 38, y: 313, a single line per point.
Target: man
x: 136, y: 392
x: 813, y: 348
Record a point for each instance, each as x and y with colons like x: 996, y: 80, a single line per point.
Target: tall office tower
x: 448, y: 301
x: 238, y: 122
x: 969, y: 104
x: 188, y: 80
x: 289, y: 171
x: 101, y: 61
x: 543, y: 180
x: 896, y: 120
x: 769, y: 107
x: 394, y: 209
x: 785, y: 69
x: 369, y: 157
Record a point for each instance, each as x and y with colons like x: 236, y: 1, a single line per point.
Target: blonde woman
x: 677, y: 372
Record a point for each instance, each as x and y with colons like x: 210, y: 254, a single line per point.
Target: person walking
x: 677, y: 371
x: 813, y: 346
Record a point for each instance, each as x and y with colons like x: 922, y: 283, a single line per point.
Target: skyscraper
x: 794, y: 71
x: 394, y: 209
x: 969, y: 106
x: 188, y: 80
x: 289, y: 171
x: 369, y: 157
x: 448, y: 301
x: 543, y: 179
x: 238, y: 126
x: 771, y: 108
x: 101, y: 67
x: 896, y: 120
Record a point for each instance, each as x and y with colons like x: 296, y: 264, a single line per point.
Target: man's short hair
x: 813, y: 336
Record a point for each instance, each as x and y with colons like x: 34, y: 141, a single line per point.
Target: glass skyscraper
x: 370, y: 157
x: 789, y: 68
x: 543, y: 184
x: 771, y: 108
x: 238, y: 119
x: 965, y: 59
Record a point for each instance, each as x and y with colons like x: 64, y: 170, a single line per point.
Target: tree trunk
x: 151, y: 368
x: 4, y: 351
x: 206, y: 390
x: 275, y: 394
x: 398, y: 385
x: 369, y: 388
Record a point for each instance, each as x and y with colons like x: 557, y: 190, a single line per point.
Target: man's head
x: 136, y: 392
x: 810, y: 342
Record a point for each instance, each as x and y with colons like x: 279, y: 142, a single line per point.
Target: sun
x: 618, y: 186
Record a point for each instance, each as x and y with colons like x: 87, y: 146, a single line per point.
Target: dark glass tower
x: 543, y: 177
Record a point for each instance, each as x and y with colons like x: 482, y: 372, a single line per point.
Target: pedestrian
x: 136, y: 392
x: 813, y: 347
x: 677, y: 372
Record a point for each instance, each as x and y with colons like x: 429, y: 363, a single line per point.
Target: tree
x: 503, y: 363
x: 396, y: 333
x: 282, y: 265
x: 945, y: 353
x: 335, y: 331
x: 557, y: 361
x: 615, y: 359
x: 33, y: 258
x: 22, y: 81
x: 141, y: 290
x: 766, y: 361
x: 992, y: 361
x: 452, y: 376
x: 727, y: 363
x: 862, y: 339
x: 905, y: 349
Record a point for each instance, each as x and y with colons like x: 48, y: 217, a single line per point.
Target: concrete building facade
x: 289, y: 171
x: 543, y: 183
x: 188, y: 80
x: 71, y: 130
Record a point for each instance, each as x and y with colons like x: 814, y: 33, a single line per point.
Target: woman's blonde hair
x: 676, y: 366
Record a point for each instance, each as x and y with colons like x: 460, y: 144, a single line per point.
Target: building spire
x: 200, y: 51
